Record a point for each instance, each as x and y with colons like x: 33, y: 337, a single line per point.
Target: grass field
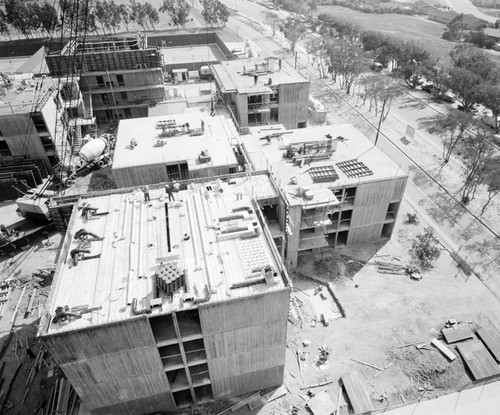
x: 491, y: 12
x: 415, y: 28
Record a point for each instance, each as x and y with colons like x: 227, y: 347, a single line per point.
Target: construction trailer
x: 339, y: 190
x: 173, y: 303
x: 119, y: 75
x: 262, y: 92
x: 176, y: 147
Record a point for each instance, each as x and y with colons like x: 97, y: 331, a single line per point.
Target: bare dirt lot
x: 383, y: 312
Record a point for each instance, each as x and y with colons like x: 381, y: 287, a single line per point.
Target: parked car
x: 446, y: 96
x: 427, y: 87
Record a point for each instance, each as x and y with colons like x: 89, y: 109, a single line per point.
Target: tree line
x: 42, y: 19
x: 342, y: 52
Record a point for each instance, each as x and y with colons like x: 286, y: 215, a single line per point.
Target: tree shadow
x: 446, y: 210
x: 427, y: 123
x: 411, y: 103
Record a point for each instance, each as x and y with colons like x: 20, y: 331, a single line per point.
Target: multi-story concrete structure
x: 174, y: 147
x: 337, y: 188
x: 119, y: 76
x: 179, y: 303
x: 28, y: 117
x: 260, y: 92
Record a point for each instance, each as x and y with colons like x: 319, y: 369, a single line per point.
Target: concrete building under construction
x: 338, y: 188
x: 174, y: 301
x: 28, y: 115
x: 177, y: 147
x: 120, y: 76
x: 261, y: 92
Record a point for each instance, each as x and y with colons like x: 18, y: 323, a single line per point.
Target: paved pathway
x: 480, y: 400
x: 466, y: 7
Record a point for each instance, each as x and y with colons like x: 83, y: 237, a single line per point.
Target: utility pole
x: 380, y: 121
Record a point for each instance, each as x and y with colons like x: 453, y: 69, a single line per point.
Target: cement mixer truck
x: 94, y: 155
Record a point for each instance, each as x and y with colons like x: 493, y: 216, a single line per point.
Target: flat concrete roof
x: 23, y: 99
x: 191, y: 54
x: 190, y: 90
x: 355, y: 146
x: 238, y: 75
x: 227, y: 245
x: 217, y: 138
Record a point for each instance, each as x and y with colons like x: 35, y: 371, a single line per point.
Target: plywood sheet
x: 491, y: 339
x: 458, y: 333
x: 357, y: 393
x: 478, y: 360
x: 321, y: 404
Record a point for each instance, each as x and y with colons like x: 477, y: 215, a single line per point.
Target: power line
x: 408, y: 157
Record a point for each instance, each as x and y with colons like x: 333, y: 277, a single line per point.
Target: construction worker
x: 168, y: 191
x: 177, y: 187
x: 77, y: 253
x: 84, y: 234
x: 248, y: 170
x: 145, y: 190
x: 87, y: 210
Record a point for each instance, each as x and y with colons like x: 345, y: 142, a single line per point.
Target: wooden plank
x: 13, y: 319
x: 321, y: 404
x: 478, y: 360
x: 443, y: 349
x: 268, y: 397
x: 356, y: 392
x: 458, y: 333
x: 491, y: 339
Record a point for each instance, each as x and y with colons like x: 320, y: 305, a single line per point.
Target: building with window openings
x: 176, y: 147
x: 338, y: 189
x: 28, y: 117
x: 120, y: 77
x: 163, y: 304
x: 261, y: 91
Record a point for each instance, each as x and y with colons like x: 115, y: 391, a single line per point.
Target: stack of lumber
x: 390, y: 268
x: 31, y: 305
x: 62, y: 401
x: 4, y: 299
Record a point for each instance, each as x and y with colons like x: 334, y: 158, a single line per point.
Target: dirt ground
x: 383, y: 312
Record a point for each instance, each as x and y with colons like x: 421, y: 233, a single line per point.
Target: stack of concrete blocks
x: 169, y: 278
